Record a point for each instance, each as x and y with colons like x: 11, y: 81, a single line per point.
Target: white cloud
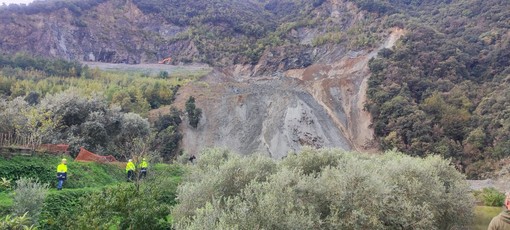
x: 15, y: 1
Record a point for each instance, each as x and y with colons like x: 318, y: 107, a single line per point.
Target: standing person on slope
x: 130, y: 170
x: 143, y: 168
x: 502, y: 221
x: 61, y: 173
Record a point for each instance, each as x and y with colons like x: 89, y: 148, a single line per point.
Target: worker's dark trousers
x: 61, y: 178
x: 143, y: 173
x: 130, y: 175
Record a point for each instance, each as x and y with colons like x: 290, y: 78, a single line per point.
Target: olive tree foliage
x: 25, y: 123
x: 219, y: 173
x: 129, y: 206
x: 29, y: 197
x: 322, y: 189
x: 133, y: 129
x: 72, y: 118
x: 10, y: 114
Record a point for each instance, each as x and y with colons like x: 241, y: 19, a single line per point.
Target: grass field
x: 5, y: 203
x: 484, y: 215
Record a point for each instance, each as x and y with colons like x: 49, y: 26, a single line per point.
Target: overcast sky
x: 15, y: 1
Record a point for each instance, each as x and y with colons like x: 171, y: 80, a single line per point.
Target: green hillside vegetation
x: 23, y: 75
x: 55, y: 101
x: 44, y: 167
x: 93, y: 188
x: 443, y: 89
x: 326, y: 189
x: 239, y: 30
x: 142, y: 205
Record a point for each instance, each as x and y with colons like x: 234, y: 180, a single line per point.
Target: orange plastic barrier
x: 51, y: 148
x: 85, y: 155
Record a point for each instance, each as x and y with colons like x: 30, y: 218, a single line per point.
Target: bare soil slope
x: 319, y: 106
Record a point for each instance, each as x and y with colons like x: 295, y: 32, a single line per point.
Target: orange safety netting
x: 51, y: 148
x: 86, y: 155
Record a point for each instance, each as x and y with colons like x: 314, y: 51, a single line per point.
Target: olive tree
x: 133, y: 128
x: 322, y: 189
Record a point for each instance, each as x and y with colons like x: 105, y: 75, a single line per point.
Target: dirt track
x: 151, y: 69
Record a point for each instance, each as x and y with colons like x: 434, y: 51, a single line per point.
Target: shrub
x: 61, y: 208
x: 5, y: 184
x: 29, y: 196
x: 129, y: 206
x: 17, y: 222
x: 338, y: 190
x: 492, y: 197
x: 194, y: 113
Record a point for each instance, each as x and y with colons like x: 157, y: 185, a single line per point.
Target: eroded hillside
x: 319, y: 106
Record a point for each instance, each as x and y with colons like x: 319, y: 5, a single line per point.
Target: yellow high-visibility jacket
x: 144, y: 164
x: 130, y: 166
x: 62, y: 168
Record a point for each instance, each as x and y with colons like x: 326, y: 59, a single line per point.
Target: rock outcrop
x: 125, y: 35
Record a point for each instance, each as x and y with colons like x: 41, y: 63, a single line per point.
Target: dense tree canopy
x: 443, y: 89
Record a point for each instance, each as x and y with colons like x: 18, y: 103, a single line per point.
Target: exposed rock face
x: 319, y: 106
x: 123, y: 36
x: 271, y: 116
x: 280, y: 59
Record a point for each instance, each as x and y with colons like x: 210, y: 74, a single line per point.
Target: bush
x: 337, y: 190
x: 142, y: 205
x: 194, y: 113
x: 61, y: 208
x: 129, y: 206
x: 5, y: 184
x: 17, y: 223
x: 41, y: 168
x: 29, y: 196
x: 492, y: 197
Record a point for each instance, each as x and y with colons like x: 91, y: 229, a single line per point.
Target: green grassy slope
x: 80, y: 175
x: 62, y: 209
